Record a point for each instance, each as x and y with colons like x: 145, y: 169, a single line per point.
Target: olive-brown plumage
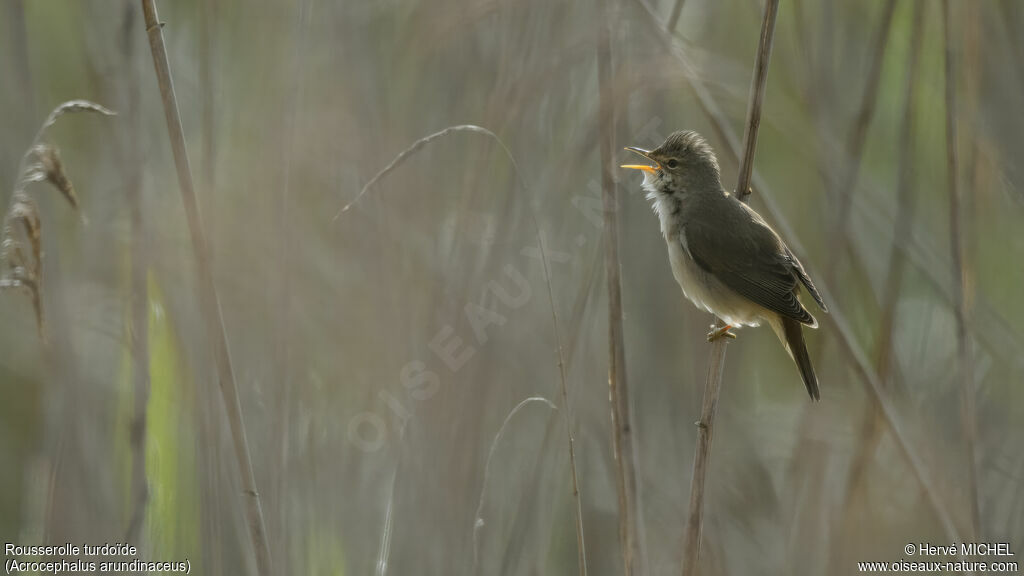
x: 725, y: 257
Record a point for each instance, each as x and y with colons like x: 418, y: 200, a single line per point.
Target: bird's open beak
x: 643, y: 167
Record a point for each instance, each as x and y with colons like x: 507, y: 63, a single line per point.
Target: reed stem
x: 622, y: 437
x: 207, y: 289
x: 716, y: 362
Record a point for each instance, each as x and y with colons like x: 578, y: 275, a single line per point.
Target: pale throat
x: 665, y: 204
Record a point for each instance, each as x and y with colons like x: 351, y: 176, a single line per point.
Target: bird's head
x: 684, y: 163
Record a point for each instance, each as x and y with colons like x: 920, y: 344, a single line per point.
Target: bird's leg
x: 720, y: 331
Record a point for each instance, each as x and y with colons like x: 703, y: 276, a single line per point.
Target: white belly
x: 706, y: 292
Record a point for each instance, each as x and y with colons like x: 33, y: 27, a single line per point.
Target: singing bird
x: 724, y: 255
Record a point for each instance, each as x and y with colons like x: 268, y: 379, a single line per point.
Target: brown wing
x: 743, y: 253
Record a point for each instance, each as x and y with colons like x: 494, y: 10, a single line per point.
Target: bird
x: 726, y: 258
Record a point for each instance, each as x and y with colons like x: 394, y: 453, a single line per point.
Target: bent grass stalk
x: 417, y: 146
x: 478, y: 517
x: 474, y: 129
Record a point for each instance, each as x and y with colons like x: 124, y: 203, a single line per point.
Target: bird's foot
x: 720, y: 332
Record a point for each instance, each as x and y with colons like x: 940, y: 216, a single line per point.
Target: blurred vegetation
x: 369, y: 445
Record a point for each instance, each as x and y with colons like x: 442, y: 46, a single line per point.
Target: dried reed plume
x: 21, y: 259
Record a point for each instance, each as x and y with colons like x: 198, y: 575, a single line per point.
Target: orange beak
x: 643, y: 167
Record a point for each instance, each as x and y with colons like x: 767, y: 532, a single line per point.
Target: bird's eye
x: 673, y: 164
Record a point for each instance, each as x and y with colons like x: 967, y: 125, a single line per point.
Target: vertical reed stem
x: 873, y: 423
x: 207, y: 289
x: 716, y: 362
x: 835, y: 320
x: 581, y: 547
x: 959, y: 279
x: 138, y: 333
x: 283, y: 333
x: 673, y: 17
x: 849, y: 167
x: 622, y: 439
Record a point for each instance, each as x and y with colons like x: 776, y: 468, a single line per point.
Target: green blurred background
x: 369, y: 445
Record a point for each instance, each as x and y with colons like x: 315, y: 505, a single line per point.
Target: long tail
x: 792, y: 336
